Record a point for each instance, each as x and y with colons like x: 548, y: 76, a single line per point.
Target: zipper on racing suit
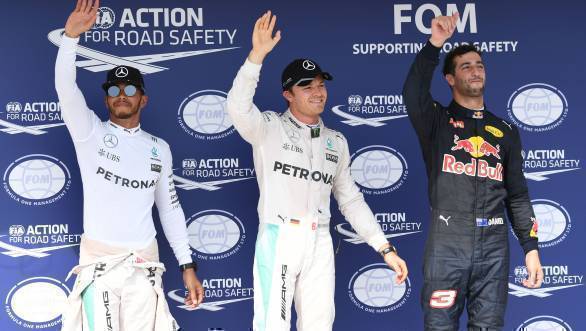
x: 474, y: 216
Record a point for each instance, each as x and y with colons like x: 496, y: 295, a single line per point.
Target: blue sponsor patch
x: 482, y: 222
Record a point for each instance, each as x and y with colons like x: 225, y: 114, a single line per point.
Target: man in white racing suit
x: 124, y: 171
x: 299, y: 162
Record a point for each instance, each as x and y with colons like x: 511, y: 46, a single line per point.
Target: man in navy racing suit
x: 474, y: 167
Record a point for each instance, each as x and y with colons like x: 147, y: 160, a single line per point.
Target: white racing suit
x: 117, y: 289
x: 296, y: 175
x: 124, y: 172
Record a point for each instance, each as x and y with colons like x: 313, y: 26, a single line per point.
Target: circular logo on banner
x: 355, y: 100
x: 215, y: 234
x: 38, y: 302
x: 553, y: 222
x: 521, y: 272
x: 537, y: 107
x: 16, y: 230
x: 544, y: 323
x: 373, y: 289
x: 105, y: 18
x: 36, y: 179
x: 13, y: 107
x: 203, y: 115
x: 378, y: 169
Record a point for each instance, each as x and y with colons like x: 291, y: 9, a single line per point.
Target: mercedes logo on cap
x: 121, y: 72
x: 308, y: 65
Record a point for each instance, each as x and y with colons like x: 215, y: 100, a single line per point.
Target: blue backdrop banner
x: 190, y: 52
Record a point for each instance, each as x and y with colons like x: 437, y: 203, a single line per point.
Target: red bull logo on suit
x: 477, y: 147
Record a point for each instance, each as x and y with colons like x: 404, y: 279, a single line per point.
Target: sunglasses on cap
x: 129, y: 90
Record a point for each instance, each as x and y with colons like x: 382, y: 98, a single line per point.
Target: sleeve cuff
x: 251, y: 69
x: 377, y: 241
x: 530, y: 245
x: 430, y: 51
x: 68, y: 40
x: 184, y: 259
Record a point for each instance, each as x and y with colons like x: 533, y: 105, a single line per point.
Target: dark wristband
x: 388, y: 250
x: 190, y: 265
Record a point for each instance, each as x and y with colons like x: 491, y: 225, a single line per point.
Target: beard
x: 125, y: 113
x: 466, y: 89
x: 475, y: 92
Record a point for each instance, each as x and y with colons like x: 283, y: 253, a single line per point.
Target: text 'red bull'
x: 451, y: 165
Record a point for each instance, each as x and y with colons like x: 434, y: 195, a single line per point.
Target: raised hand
x: 82, y: 18
x: 442, y: 28
x: 263, y: 40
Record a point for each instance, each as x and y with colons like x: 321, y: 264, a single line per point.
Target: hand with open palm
x: 263, y: 40
x: 82, y: 18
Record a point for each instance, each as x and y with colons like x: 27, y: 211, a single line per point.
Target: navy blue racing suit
x: 474, y: 167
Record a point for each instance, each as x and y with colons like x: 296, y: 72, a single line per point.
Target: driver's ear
x: 288, y: 95
x: 450, y: 79
x: 144, y: 99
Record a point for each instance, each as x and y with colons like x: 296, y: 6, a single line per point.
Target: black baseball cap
x: 123, y: 74
x: 301, y: 72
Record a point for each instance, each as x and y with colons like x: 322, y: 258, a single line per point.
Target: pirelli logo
x: 332, y: 157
